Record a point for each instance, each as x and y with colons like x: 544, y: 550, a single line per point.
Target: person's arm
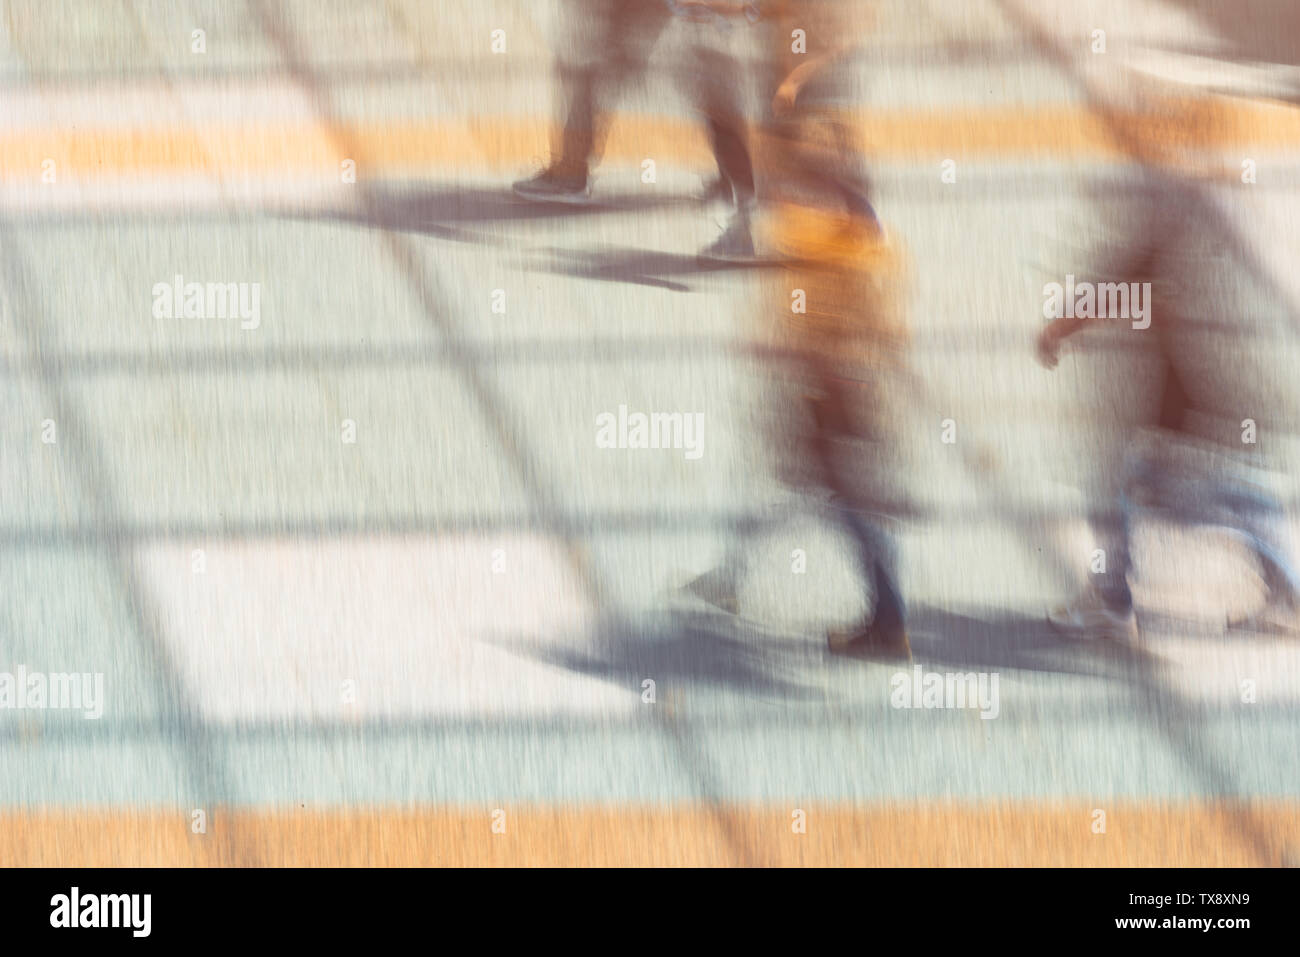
x: 788, y: 91
x: 1051, y: 338
x: 837, y: 38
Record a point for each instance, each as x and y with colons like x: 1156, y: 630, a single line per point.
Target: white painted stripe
x: 423, y: 628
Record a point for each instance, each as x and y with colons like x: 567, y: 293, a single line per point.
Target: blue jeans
x: 1226, y: 499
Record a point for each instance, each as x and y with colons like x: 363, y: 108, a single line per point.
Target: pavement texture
x: 361, y: 585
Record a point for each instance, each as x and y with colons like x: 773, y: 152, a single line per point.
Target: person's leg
x: 1229, y: 376
x: 631, y: 30
x: 789, y: 435
x: 736, y: 172
x: 718, y: 95
x: 718, y: 87
x: 1261, y: 518
x: 1144, y: 479
x: 1222, y: 490
x: 578, y: 135
x: 1105, y: 608
x: 731, y: 152
x: 619, y: 36
x: 1110, y: 533
x: 578, y: 69
x: 1226, y: 491
x: 877, y: 555
x: 840, y: 419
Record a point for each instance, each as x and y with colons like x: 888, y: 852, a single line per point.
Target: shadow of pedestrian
x: 676, y: 648
x: 1001, y: 641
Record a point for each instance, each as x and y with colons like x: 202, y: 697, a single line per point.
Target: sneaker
x: 552, y: 186
x: 1090, y: 617
x: 734, y: 245
x: 874, y: 641
x: 716, y: 189
x: 715, y: 588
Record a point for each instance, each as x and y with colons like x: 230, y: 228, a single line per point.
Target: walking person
x: 612, y: 53
x: 837, y: 297
x: 1217, y: 301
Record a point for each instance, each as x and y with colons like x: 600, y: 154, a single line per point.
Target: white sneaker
x: 1088, y: 616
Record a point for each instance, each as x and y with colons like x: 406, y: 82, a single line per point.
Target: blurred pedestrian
x: 611, y: 51
x: 1215, y: 303
x: 838, y: 295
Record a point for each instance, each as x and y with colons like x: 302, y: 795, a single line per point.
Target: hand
x: 695, y: 10
x: 788, y: 92
x: 783, y: 102
x: 1049, y: 347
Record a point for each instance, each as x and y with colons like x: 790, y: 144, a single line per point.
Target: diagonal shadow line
x: 441, y: 213
x: 991, y: 189
x: 398, y: 524
x: 278, y: 31
x: 549, y: 351
x: 416, y: 207
x: 408, y: 216
x: 203, y: 766
x: 676, y: 648
x: 201, y: 759
x: 379, y: 728
x: 1176, y: 720
x: 404, y: 254
x: 975, y: 459
x: 633, y: 266
x: 696, y: 651
x: 1011, y: 642
x: 1054, y: 53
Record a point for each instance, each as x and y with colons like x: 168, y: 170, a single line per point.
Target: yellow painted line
x: 1008, y: 834
x: 504, y: 143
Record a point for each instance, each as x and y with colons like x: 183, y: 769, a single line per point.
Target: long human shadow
x: 642, y: 267
x: 715, y: 649
x: 466, y: 215
x: 677, y: 647
x: 439, y: 210
x: 1006, y: 641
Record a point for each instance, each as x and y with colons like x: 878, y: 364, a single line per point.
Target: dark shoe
x: 734, y: 245
x: 875, y: 641
x: 717, y: 188
x: 552, y: 186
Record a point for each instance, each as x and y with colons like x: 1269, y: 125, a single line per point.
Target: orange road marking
x: 1172, y: 834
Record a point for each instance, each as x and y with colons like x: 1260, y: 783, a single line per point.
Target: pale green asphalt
x: 476, y: 433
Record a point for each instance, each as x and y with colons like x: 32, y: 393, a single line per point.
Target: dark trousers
x: 835, y: 421
x: 624, y: 34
